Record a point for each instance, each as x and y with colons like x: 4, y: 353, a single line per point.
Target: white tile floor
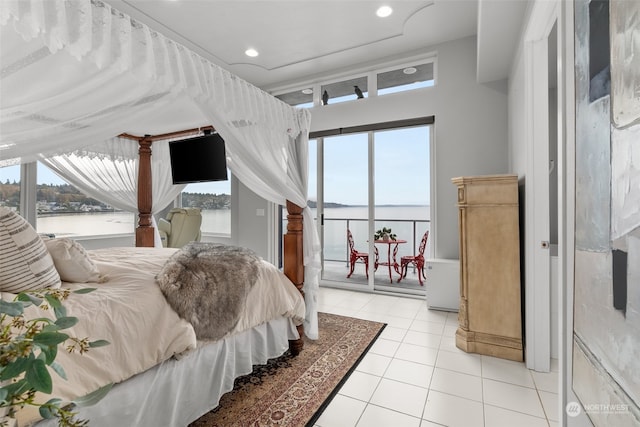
x: 415, y: 376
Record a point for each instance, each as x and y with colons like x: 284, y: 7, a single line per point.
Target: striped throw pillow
x: 25, y: 263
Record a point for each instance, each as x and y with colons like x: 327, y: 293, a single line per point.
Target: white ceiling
x: 303, y: 40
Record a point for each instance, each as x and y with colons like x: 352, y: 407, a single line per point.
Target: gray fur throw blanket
x: 207, y: 285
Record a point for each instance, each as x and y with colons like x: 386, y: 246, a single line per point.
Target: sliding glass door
x: 343, y: 205
x: 402, y: 202
x: 367, y: 181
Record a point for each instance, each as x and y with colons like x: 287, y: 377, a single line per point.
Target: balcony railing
x: 335, y: 246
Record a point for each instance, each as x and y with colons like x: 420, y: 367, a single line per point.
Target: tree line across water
x: 67, y: 198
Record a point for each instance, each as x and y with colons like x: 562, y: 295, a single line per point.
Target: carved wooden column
x: 294, y: 260
x: 144, y: 231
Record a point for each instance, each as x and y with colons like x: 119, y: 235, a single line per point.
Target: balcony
x: 336, y: 253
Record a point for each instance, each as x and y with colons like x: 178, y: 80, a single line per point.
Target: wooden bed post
x: 294, y: 261
x: 144, y: 231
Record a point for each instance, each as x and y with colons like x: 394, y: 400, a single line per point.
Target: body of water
x: 86, y: 224
x: 407, y: 222
x: 104, y: 223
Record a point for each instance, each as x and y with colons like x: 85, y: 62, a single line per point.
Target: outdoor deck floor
x: 336, y: 272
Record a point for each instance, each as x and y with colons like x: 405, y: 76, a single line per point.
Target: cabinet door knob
x: 544, y: 244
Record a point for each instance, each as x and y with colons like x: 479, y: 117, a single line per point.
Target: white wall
x: 470, y: 128
x: 517, y: 146
x: 252, y: 228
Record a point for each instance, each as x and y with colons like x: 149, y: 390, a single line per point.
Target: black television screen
x: 198, y: 159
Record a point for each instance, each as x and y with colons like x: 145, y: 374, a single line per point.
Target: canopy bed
x: 79, y: 81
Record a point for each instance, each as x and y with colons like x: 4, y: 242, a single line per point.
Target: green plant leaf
x: 58, y: 369
x: 50, y: 338
x: 14, y: 368
x: 84, y: 290
x: 38, y: 376
x: 15, y: 389
x: 93, y: 397
x: 11, y: 308
x: 60, y: 311
x: 66, y: 322
x: 41, y: 320
x: 3, y: 394
x: 51, y: 328
x: 50, y: 409
x: 49, y: 353
x: 98, y: 343
x: 53, y: 301
x: 46, y: 412
x: 55, y: 401
x: 28, y: 298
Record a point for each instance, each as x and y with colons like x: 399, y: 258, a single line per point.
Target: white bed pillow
x: 25, y: 263
x: 72, y: 261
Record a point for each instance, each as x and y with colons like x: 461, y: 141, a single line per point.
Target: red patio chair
x: 357, y: 256
x: 416, y: 260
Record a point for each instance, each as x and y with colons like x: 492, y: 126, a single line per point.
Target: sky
x: 401, y: 175
x: 401, y: 169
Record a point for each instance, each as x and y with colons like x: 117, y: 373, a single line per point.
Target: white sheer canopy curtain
x: 76, y: 73
x: 108, y: 171
x: 274, y: 165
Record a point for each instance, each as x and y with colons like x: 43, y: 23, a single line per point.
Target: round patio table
x: 391, y: 256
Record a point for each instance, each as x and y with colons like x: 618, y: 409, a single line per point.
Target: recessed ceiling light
x: 251, y: 52
x: 409, y: 70
x: 307, y: 91
x: 384, y: 11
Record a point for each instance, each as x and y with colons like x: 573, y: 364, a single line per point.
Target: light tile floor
x: 415, y: 376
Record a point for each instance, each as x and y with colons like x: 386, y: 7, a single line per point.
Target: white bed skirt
x: 179, y: 391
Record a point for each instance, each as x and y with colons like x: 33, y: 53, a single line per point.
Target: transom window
x: 399, y: 78
x: 406, y: 78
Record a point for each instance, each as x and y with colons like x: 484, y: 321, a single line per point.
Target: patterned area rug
x: 293, y: 391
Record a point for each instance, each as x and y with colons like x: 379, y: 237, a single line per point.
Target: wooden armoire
x: 490, y: 315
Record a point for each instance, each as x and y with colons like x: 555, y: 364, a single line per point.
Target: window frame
x: 371, y: 74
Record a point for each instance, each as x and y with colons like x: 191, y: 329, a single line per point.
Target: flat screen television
x: 198, y: 159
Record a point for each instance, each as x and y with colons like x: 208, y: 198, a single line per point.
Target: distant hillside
x: 54, y: 197
x: 66, y: 198
x: 206, y: 201
x: 313, y: 204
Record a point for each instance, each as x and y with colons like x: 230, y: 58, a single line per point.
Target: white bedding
x: 177, y: 392
x: 129, y: 311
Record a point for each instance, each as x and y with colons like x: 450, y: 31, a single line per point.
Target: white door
x: 541, y: 45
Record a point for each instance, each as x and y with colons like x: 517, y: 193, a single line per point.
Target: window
x: 300, y: 98
x: 389, y: 80
x: 64, y: 210
x: 214, y: 198
x: 10, y: 187
x: 406, y: 78
x: 346, y: 90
